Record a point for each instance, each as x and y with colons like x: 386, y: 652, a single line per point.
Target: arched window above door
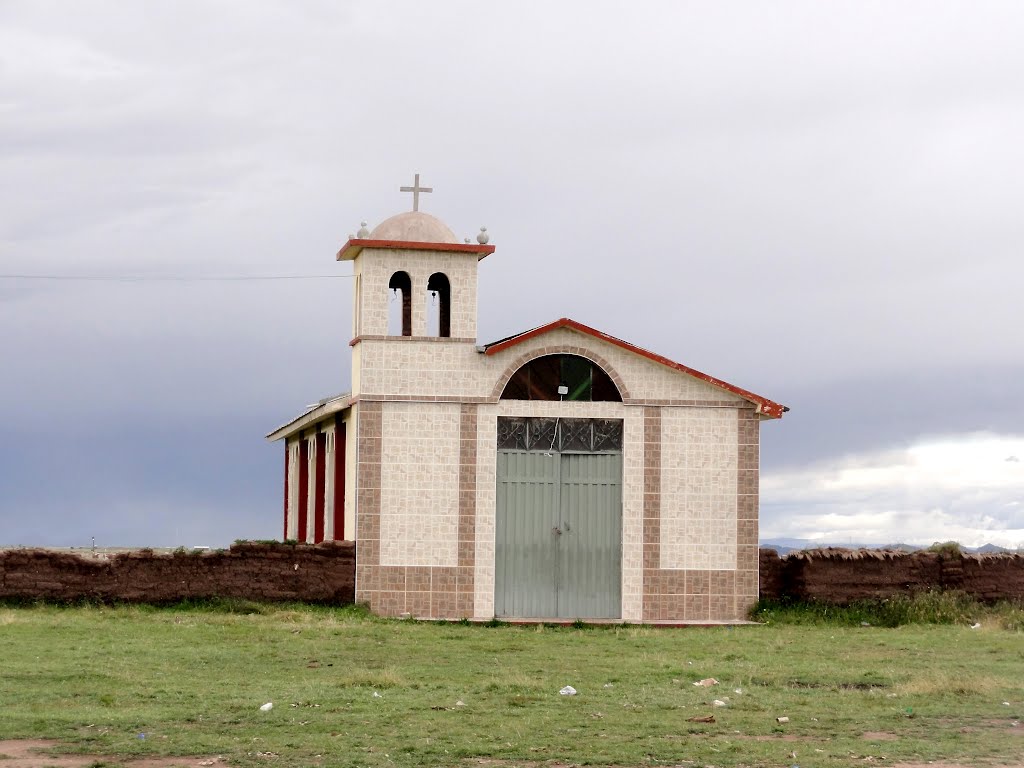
x: 561, y: 377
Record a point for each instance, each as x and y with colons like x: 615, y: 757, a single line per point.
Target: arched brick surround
x: 560, y: 349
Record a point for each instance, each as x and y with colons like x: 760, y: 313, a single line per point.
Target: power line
x: 172, y: 278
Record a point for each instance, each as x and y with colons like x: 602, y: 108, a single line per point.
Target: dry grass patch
x: 387, y: 677
x: 10, y: 616
x: 939, y: 682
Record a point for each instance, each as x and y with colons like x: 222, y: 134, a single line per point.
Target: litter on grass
x: 707, y: 682
x: 782, y: 719
x: 718, y: 703
x: 568, y: 691
x: 267, y: 707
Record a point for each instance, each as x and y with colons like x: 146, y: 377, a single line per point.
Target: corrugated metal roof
x: 312, y: 414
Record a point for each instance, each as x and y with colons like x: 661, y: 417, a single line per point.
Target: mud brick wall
x: 843, y: 575
x: 322, y: 573
x: 325, y: 573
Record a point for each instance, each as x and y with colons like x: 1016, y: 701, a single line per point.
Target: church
x: 556, y: 474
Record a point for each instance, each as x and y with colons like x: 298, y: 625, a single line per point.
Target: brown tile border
x: 651, y: 504
x: 747, y: 510
x: 373, y: 398
x: 653, y: 402
x: 369, y: 426
x: 468, y: 417
x: 631, y: 401
x: 443, y: 339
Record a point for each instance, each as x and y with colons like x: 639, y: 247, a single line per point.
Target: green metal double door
x: 558, y: 535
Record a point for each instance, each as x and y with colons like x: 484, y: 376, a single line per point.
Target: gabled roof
x: 312, y: 414
x: 765, y: 407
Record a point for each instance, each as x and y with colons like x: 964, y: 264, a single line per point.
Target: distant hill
x: 784, y: 546
x: 987, y: 548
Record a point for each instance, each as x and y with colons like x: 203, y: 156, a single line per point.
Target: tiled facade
x: 422, y: 454
x: 689, y: 502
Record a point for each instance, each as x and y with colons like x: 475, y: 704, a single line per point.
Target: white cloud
x: 960, y: 487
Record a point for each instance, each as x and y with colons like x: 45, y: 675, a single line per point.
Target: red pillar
x: 285, y: 536
x: 339, y: 479
x: 320, y: 485
x: 303, y: 485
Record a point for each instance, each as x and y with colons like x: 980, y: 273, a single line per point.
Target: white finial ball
x: 363, y: 231
x: 483, y: 237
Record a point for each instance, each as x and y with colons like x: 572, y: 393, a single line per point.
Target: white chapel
x: 559, y: 473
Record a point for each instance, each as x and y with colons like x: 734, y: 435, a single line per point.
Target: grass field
x: 349, y: 689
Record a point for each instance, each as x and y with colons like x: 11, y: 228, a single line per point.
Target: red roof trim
x: 764, y: 406
x: 354, y: 245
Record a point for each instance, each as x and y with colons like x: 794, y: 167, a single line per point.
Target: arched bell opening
x: 439, y: 306
x: 400, y: 307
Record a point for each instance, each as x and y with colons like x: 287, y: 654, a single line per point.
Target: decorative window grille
x: 518, y: 433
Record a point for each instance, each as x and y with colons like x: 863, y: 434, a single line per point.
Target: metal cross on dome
x: 416, y: 189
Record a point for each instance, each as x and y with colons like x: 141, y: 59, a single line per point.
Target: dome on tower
x: 414, y: 226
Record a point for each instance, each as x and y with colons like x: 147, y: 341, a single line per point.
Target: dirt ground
x: 41, y: 753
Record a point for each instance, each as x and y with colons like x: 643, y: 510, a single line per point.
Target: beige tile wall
x: 419, y: 515
x: 698, y: 488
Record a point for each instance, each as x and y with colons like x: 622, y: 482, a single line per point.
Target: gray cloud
x: 818, y: 204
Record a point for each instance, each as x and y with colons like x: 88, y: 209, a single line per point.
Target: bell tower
x: 415, y: 261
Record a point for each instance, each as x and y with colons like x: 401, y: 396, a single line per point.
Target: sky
x: 818, y: 202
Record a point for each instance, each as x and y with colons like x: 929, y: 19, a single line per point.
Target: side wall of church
x: 321, y: 474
